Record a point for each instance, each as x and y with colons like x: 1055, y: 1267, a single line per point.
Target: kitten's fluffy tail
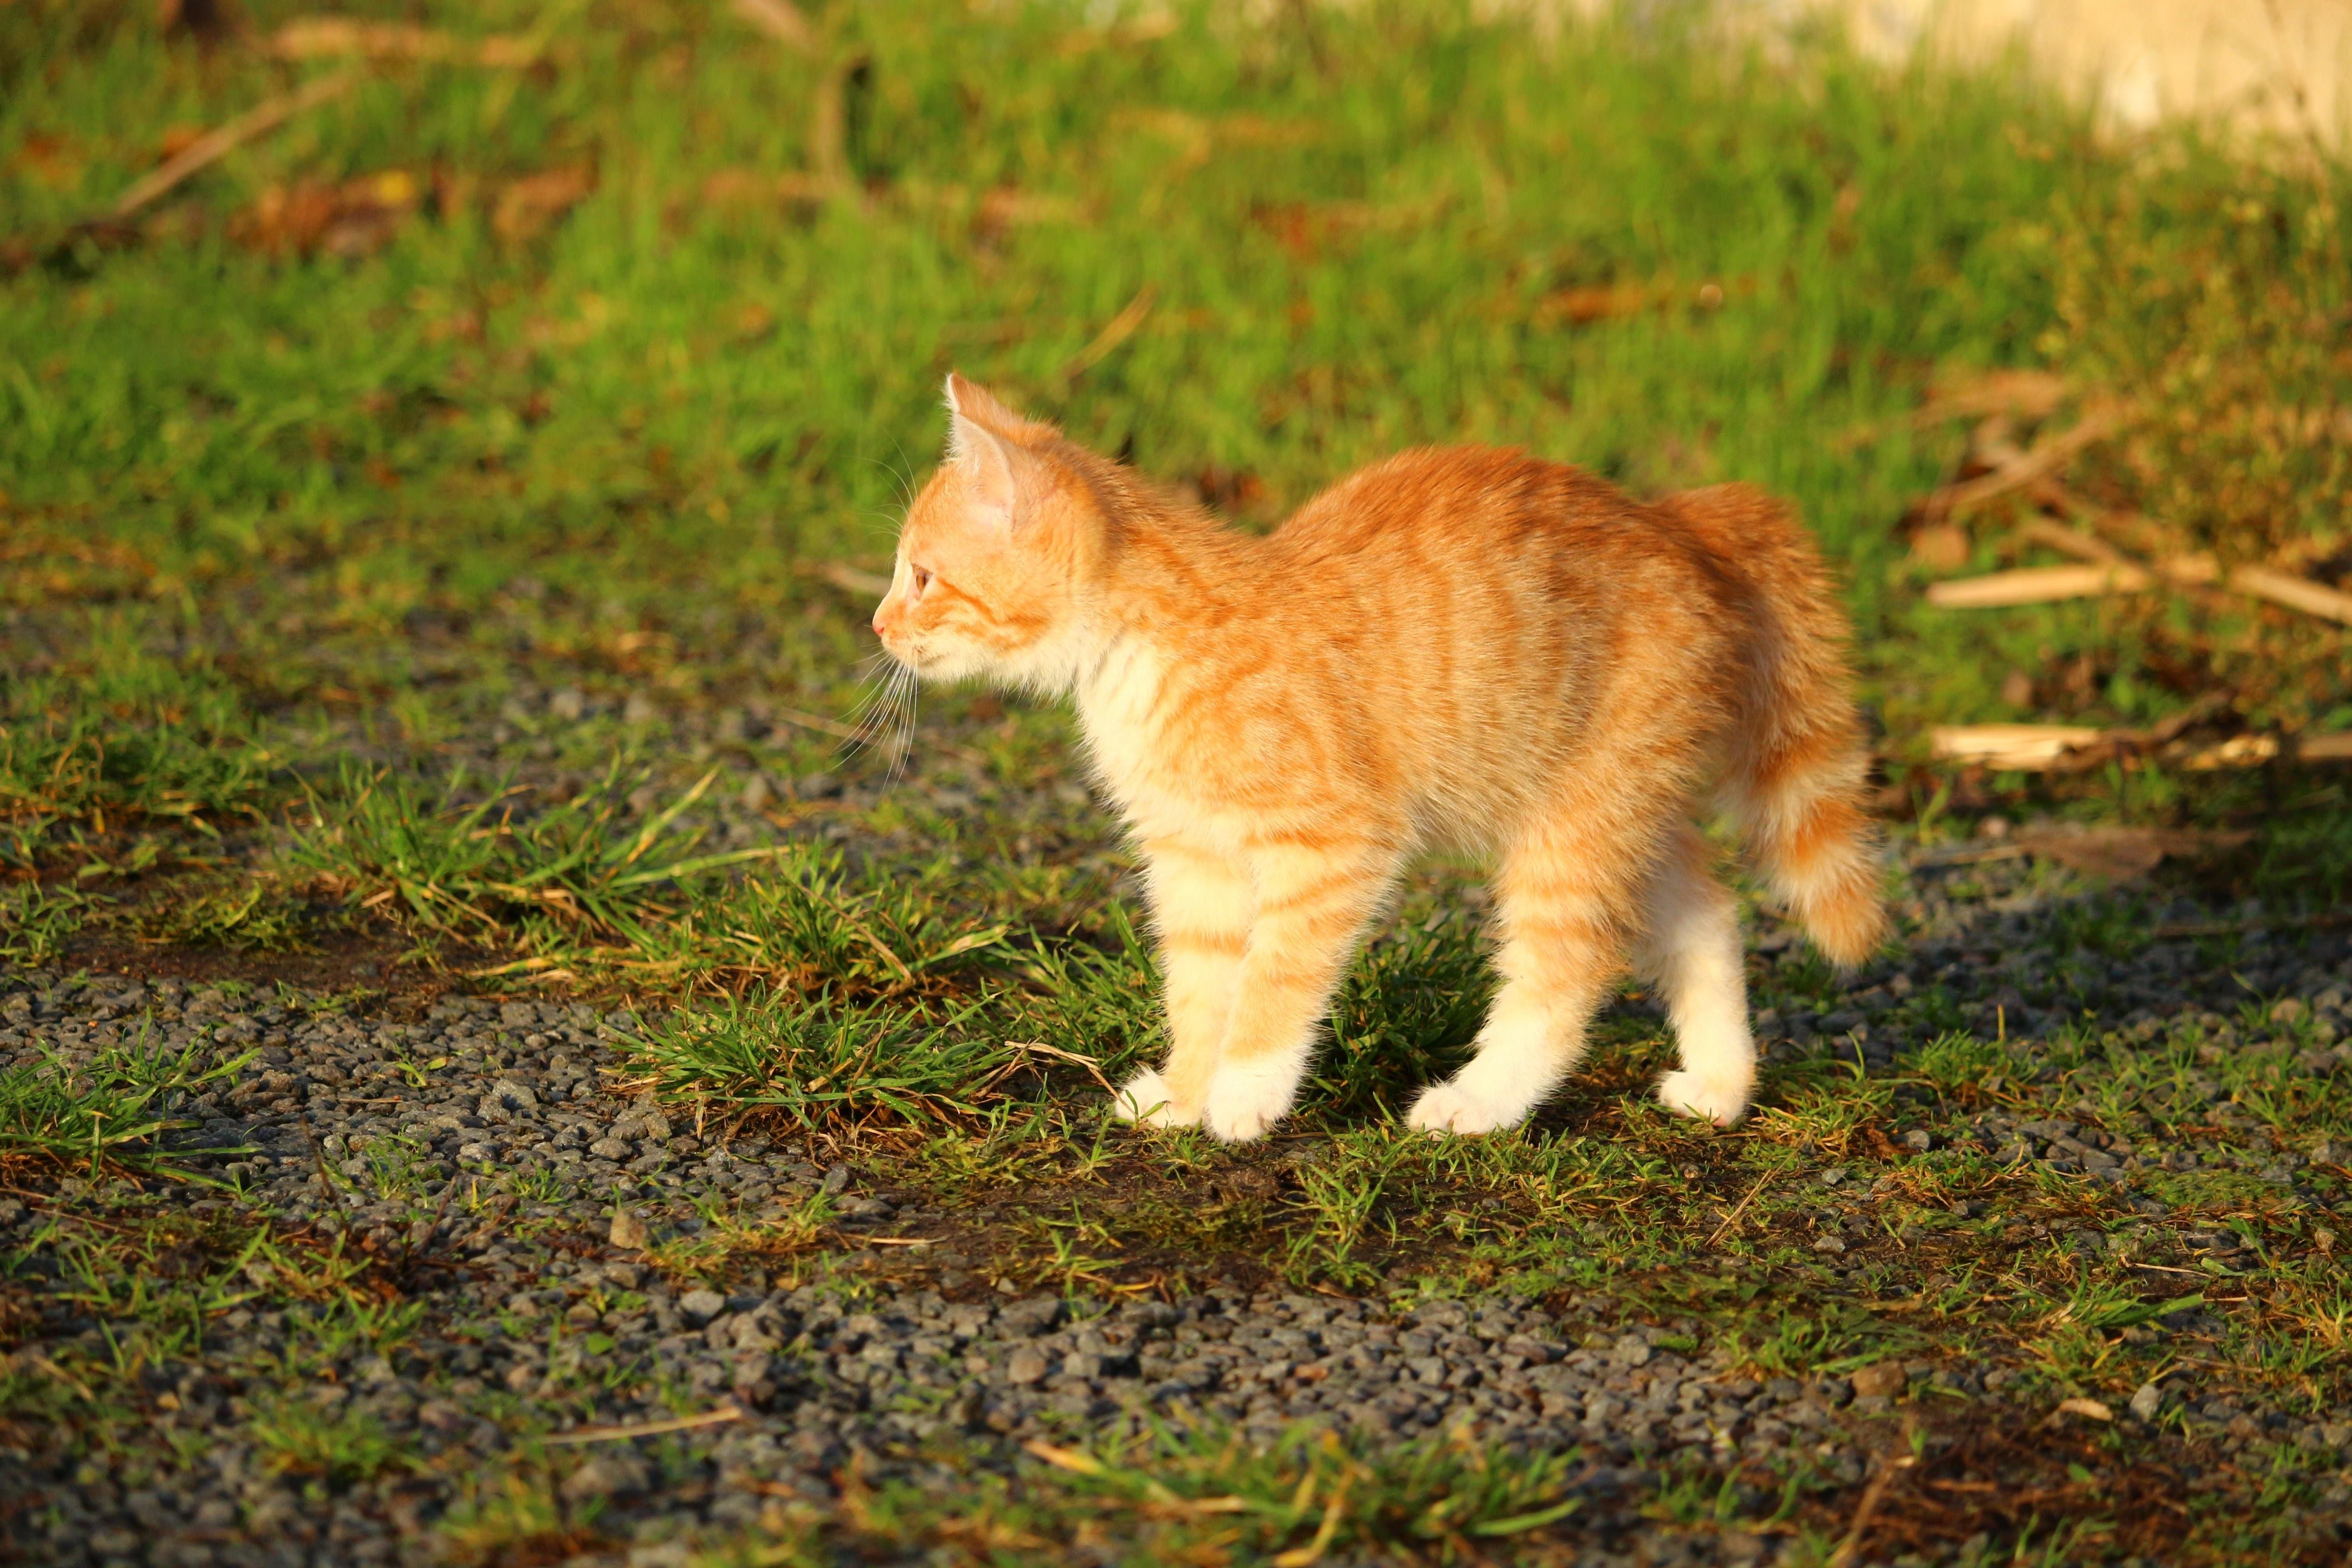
x: 1795, y: 776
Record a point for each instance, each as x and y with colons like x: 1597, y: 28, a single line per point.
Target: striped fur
x: 1463, y: 648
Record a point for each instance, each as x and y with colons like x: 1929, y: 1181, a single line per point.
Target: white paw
x: 1454, y: 1107
x: 1244, y: 1102
x: 1719, y: 1100
x: 1144, y: 1100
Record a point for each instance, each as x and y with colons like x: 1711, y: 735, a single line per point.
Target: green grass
x: 274, y: 506
x: 470, y: 586
x: 156, y: 1276
x: 242, y: 914
x: 36, y: 920
x: 826, y: 1067
x: 800, y: 926
x: 102, y: 1112
x: 1192, y: 1494
x: 1351, y: 246
x: 1310, y: 1492
x: 481, y: 862
x: 338, y: 1447
x: 112, y: 733
x: 1405, y: 1015
x: 578, y: 890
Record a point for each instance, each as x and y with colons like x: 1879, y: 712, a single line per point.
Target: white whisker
x: 871, y: 716
x: 904, y: 744
x: 885, y: 719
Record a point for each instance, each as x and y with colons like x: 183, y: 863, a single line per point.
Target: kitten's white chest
x: 1124, y: 705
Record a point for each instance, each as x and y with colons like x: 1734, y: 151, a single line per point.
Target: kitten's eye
x: 922, y: 581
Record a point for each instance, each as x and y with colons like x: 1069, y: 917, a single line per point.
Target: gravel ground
x: 464, y: 1158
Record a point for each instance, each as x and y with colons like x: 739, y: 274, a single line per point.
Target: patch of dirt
x: 342, y: 962
x: 2059, y: 1480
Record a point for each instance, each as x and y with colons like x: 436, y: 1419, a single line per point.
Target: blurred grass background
x: 566, y: 346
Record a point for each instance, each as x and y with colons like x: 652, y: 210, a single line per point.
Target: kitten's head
x: 998, y: 555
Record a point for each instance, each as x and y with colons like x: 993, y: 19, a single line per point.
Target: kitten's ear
x: 967, y: 399
x: 984, y: 440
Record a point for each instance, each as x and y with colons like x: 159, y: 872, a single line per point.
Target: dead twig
x: 780, y: 20
x: 1739, y: 1208
x: 2071, y: 542
x: 2026, y: 394
x: 2021, y: 748
x: 1094, y: 1068
x: 2105, y: 569
x: 2071, y: 748
x: 2115, y: 574
x: 329, y: 37
x: 2036, y: 585
x: 1851, y: 1547
x: 715, y: 1417
x: 216, y: 144
x: 2295, y: 593
x: 2047, y: 456
x: 1121, y: 327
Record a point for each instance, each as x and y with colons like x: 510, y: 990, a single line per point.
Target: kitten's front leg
x: 1201, y: 902
x: 1314, y: 897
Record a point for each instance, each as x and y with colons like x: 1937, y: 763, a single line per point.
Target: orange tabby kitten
x: 1463, y: 648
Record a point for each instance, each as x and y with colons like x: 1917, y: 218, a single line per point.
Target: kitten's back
x: 1497, y: 628
x: 1489, y: 610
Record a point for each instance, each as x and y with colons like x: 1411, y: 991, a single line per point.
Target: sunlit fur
x: 1463, y: 647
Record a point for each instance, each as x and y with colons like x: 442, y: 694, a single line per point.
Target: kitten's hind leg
x: 1201, y: 902
x: 1560, y: 951
x: 1692, y: 951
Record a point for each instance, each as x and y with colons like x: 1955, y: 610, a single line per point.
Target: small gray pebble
x: 612, y: 1474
